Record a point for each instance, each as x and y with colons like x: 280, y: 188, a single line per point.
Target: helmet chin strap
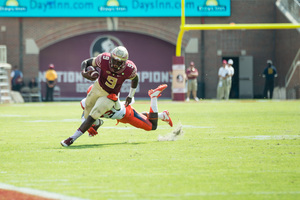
x: 118, y: 68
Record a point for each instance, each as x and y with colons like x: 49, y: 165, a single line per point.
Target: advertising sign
x: 113, y: 8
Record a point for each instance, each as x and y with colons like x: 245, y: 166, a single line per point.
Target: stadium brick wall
x: 280, y: 46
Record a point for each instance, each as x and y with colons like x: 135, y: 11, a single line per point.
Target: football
x: 92, y: 72
x: 90, y: 68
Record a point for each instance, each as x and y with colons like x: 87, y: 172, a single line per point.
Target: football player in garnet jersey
x: 130, y: 115
x: 114, y: 68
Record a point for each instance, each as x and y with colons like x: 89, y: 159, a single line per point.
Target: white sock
x: 77, y: 134
x: 97, y: 122
x: 161, y: 115
x: 154, y: 104
x: 82, y: 119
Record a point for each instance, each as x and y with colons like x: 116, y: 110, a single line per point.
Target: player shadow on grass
x: 85, y: 146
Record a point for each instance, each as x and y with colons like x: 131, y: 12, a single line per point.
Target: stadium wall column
x: 202, y: 61
x: 21, y: 43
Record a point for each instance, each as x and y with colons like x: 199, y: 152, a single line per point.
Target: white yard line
x: 115, y: 127
x: 268, y: 137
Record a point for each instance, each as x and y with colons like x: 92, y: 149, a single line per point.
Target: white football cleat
x: 167, y: 118
x: 157, y: 92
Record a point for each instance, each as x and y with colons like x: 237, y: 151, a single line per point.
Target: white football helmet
x: 119, y: 56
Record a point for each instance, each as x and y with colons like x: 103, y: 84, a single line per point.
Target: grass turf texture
x: 230, y: 150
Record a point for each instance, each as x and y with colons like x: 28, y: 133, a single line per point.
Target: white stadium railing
x: 292, y: 78
x: 3, y: 54
x: 291, y: 9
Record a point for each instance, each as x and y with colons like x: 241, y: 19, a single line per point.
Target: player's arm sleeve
x: 134, y: 84
x: 84, y: 65
x: 135, y: 81
x: 97, y: 60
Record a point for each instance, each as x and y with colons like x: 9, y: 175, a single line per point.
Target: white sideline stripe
x: 160, y: 127
x: 63, y: 197
x: 115, y: 127
x: 40, y: 193
x: 63, y: 120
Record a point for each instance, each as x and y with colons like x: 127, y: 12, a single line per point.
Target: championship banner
x: 178, y: 80
x: 72, y: 86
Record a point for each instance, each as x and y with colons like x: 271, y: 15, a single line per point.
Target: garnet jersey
x: 112, y: 82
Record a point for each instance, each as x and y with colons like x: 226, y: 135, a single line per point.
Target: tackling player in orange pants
x: 146, y: 121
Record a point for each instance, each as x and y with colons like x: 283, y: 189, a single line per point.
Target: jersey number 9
x: 111, y: 82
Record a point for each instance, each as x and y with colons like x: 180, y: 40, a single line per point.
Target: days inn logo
x: 12, y: 6
x: 112, y: 6
x: 211, y: 6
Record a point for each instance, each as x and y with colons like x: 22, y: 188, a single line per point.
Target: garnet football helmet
x: 119, y: 56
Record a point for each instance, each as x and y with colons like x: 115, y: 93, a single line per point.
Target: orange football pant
x: 136, y: 119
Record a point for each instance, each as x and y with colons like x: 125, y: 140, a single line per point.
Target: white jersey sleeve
x: 115, y: 114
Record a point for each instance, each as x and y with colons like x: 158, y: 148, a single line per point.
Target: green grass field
x: 230, y: 150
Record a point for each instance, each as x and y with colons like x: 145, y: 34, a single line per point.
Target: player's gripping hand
x: 92, y: 131
x: 87, y: 76
x: 128, y: 101
x: 90, y: 73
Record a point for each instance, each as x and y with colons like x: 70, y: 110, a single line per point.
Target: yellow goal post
x: 232, y: 26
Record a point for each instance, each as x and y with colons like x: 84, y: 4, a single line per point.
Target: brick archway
x: 94, y: 25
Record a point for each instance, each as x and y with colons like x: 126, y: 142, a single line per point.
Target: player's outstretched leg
x: 67, y: 142
x: 93, y: 129
x: 167, y: 118
x: 157, y: 92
